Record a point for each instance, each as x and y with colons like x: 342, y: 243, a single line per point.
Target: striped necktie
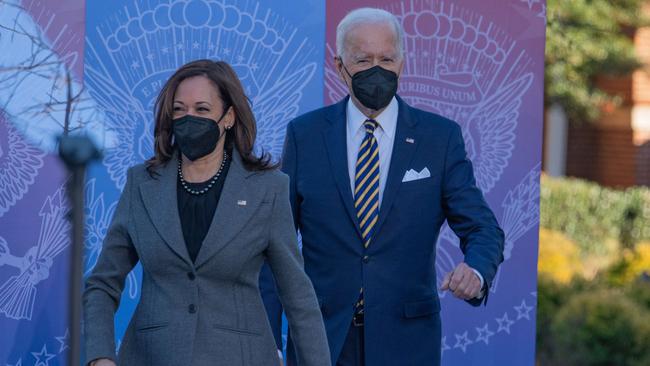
x: 366, y: 190
x: 366, y: 186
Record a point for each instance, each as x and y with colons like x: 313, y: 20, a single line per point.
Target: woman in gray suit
x: 202, y: 216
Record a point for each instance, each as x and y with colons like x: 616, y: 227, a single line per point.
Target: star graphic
x: 211, y: 46
x: 440, y: 56
x: 534, y: 293
x: 150, y: 57
x: 226, y: 51
x: 254, y: 67
x: 530, y: 3
x: 19, y: 363
x: 523, y: 310
x: 240, y: 58
x: 64, y: 341
x: 179, y: 46
x: 135, y: 65
x: 444, y: 345
x: 484, y: 334
x: 462, y: 341
x: 165, y: 50
x: 43, y: 358
x: 195, y: 45
x: 504, y: 323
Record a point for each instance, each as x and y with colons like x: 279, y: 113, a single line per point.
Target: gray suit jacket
x: 208, y: 312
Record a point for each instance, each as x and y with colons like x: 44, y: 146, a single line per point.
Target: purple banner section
x: 42, y: 45
x: 481, y: 64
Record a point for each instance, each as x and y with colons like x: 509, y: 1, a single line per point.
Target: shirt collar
x: 387, y: 120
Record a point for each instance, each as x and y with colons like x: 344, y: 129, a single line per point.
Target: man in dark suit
x: 372, y: 182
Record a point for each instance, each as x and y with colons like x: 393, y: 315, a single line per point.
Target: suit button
x: 191, y: 276
x: 365, y: 259
x: 192, y: 309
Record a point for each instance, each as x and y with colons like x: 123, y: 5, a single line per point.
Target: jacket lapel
x: 404, y: 147
x: 238, y: 202
x: 336, y: 143
x: 161, y: 202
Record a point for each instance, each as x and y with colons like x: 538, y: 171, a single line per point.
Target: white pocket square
x: 412, y: 175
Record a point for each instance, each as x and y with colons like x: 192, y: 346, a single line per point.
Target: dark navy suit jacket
x: 397, y: 271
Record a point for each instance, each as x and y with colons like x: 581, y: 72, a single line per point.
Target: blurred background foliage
x: 594, y: 275
x: 586, y: 39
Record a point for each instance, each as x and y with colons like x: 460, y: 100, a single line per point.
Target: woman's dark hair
x: 242, y: 134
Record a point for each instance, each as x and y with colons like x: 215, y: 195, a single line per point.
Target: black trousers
x: 353, y: 348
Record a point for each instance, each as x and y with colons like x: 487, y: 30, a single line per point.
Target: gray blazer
x: 208, y: 312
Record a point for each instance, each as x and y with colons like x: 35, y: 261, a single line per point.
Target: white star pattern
x: 226, y: 51
x: 254, y: 67
x: 444, y: 346
x: 462, y: 341
x: 523, y: 310
x: 179, y: 46
x: 150, y: 57
x: 64, y: 341
x: 504, y: 323
x: 240, y: 58
x: 211, y: 46
x: 165, y: 50
x: 43, y: 358
x: 530, y: 3
x: 135, y: 65
x: 195, y: 45
x: 484, y: 334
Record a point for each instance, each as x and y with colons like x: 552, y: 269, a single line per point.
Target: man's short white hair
x: 368, y: 16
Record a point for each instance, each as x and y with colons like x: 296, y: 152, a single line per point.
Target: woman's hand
x: 103, y: 362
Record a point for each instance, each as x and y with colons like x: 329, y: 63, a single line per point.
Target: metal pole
x: 76, y: 152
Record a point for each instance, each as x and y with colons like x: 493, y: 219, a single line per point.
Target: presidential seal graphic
x: 19, y: 165
x: 134, y: 51
x: 462, y: 66
x: 18, y: 292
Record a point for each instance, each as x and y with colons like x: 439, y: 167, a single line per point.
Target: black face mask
x: 196, y: 136
x: 374, y: 87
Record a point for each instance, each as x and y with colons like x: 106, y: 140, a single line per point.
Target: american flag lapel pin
x: 410, y: 140
x: 241, y: 202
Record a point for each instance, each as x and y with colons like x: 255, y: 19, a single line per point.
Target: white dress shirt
x: 385, y: 135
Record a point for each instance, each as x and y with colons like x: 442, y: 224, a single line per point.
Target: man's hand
x: 463, y: 282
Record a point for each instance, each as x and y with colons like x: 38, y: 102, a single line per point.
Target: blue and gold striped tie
x: 366, y: 190
x: 366, y: 186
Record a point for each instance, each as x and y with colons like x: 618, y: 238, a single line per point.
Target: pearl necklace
x: 212, y: 181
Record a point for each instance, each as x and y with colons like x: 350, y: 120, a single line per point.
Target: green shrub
x: 601, y: 327
x: 639, y: 291
x: 551, y: 295
x: 590, y: 214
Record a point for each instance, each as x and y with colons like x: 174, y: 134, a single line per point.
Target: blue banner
x: 133, y: 47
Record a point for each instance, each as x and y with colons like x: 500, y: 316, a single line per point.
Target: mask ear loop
x: 344, y: 68
x: 223, y: 115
